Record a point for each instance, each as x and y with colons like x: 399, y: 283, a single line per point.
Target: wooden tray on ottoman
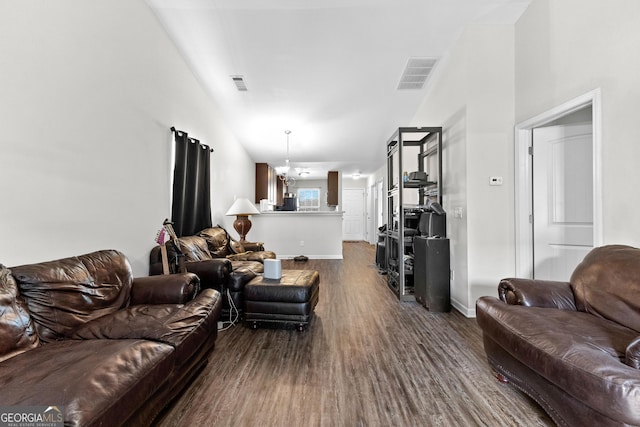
x: 289, y: 300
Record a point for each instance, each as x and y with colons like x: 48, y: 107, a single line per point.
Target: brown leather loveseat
x: 574, y: 347
x: 82, y: 334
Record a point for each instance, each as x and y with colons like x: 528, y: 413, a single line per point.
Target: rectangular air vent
x: 416, y: 72
x: 239, y: 82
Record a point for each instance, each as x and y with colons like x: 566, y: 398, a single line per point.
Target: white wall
x: 348, y: 182
x: 471, y: 96
x: 317, y: 235
x: 565, y: 48
x: 88, y: 93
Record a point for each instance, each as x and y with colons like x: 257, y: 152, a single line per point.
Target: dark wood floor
x: 366, y: 360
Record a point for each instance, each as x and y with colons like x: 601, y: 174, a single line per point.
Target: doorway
x: 558, y: 193
x: 353, y: 217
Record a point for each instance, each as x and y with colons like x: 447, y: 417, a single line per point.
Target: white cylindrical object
x: 272, y: 269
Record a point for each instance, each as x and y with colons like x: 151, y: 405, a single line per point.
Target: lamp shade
x: 242, y: 207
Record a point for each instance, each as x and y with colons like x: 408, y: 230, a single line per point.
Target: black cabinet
x: 268, y: 186
x: 432, y: 273
x: 332, y: 188
x: 381, y: 252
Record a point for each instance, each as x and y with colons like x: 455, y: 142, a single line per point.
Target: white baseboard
x: 339, y: 256
x: 466, y: 311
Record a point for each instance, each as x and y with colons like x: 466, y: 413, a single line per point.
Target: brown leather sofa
x: 83, y: 334
x: 221, y: 262
x: 574, y: 347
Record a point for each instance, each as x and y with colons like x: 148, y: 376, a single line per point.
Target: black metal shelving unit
x: 409, y: 149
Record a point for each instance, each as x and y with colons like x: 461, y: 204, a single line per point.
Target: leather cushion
x: 17, y: 332
x: 64, y: 294
x: 295, y: 286
x: 607, y: 284
x: 193, y: 248
x: 217, y: 240
x: 183, y: 326
x: 98, y: 382
x: 259, y: 256
x: 253, y: 266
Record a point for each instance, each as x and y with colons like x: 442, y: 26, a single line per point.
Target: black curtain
x: 191, y: 205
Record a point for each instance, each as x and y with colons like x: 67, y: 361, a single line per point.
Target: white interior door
x: 353, y: 217
x: 563, y: 214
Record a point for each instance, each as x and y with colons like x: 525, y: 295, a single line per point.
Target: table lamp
x: 242, y: 208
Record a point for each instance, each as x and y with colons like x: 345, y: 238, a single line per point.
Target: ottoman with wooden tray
x: 288, y: 301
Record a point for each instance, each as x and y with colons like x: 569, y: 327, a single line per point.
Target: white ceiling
x: 327, y: 70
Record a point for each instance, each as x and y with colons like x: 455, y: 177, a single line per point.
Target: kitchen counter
x: 319, y: 213
x: 315, y: 234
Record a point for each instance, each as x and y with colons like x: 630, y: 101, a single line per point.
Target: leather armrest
x: 632, y: 355
x: 259, y: 256
x: 165, y: 289
x: 213, y: 273
x: 537, y: 293
x: 253, y: 246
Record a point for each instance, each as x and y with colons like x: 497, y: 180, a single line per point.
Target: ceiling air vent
x: 239, y: 82
x: 416, y: 72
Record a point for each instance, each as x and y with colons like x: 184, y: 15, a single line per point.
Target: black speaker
x: 431, y: 272
x: 381, y: 253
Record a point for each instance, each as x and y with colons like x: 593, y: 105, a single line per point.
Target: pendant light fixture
x: 283, y: 171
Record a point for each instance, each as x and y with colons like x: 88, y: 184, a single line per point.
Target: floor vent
x: 416, y: 72
x: 239, y: 82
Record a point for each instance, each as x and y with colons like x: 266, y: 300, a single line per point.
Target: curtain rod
x: 173, y: 129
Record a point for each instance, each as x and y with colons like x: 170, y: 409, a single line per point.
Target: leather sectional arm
x: 213, y: 273
x: 537, y: 293
x: 259, y: 256
x: 632, y: 354
x: 253, y: 246
x: 165, y: 289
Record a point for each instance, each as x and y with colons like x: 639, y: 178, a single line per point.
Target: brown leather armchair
x: 574, y: 347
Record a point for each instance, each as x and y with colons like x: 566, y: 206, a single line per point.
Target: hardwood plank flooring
x: 365, y: 360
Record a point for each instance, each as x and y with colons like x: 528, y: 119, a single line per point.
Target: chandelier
x: 283, y: 171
